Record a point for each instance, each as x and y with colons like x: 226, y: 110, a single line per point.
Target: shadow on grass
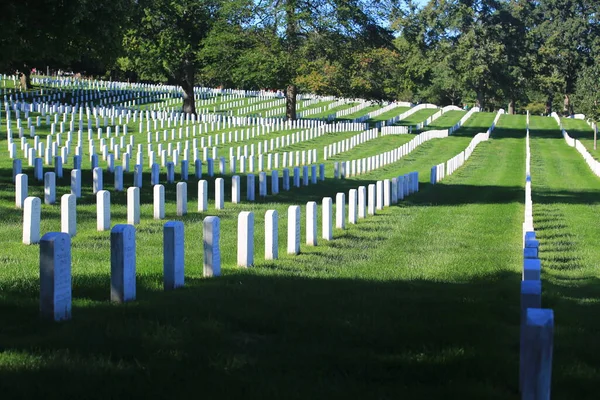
x: 255, y: 336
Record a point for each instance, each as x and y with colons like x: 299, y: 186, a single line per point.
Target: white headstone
x: 271, y: 235
x: 340, y: 211
x: 293, y: 245
x: 68, y: 214
x: 311, y: 223
x: 32, y: 207
x: 245, y: 244
x: 133, y: 205
x: 202, y: 196
x: 49, y: 188
x: 352, y: 206
x: 219, y: 193
x: 55, y: 276
x: 327, y: 218
x: 103, y: 210
x: 235, y: 189
x: 21, y: 189
x: 211, y: 244
x: 159, y: 201
x: 181, y: 198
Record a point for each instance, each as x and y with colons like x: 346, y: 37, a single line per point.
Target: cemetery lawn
x: 419, y: 301
x: 580, y: 130
x: 565, y: 216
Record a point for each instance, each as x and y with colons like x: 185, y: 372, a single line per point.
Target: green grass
x: 417, y: 117
x: 390, y: 114
x: 419, y: 301
x: 565, y: 210
x: 580, y: 130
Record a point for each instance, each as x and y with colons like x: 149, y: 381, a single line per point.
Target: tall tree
x: 565, y: 35
x: 33, y: 33
x: 166, y: 38
x: 292, y: 25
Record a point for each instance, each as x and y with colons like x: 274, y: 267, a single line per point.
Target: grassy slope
x: 417, y: 301
x: 580, y: 130
x: 566, y: 208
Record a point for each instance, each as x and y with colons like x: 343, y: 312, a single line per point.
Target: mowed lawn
x: 565, y: 215
x: 580, y: 130
x: 420, y: 301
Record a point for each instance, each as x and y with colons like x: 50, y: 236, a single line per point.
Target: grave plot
x: 457, y: 261
x: 403, y: 143
x: 453, y: 249
x: 564, y: 192
x: 388, y: 112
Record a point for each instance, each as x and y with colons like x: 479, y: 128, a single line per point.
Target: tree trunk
x: 567, y: 108
x: 25, y: 78
x: 511, y: 107
x: 480, y: 101
x: 187, y: 84
x: 290, y: 102
x: 549, y: 105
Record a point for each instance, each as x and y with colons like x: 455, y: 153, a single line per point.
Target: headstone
x: 286, y: 179
x: 250, y: 187
x: 235, y: 189
x: 55, y: 276
x: 170, y: 172
x: 531, y: 297
x: 311, y: 223
x: 219, y: 193
x: 68, y: 214
x: 103, y: 210
x: 262, y: 184
x: 293, y: 245
x: 133, y: 205
x: 49, y: 188
x: 17, y: 168
x: 245, y: 244
x: 58, y: 167
x: 371, y: 200
x: 159, y: 201
x: 362, y: 202
x: 538, y: 338
x: 532, y: 269
x: 76, y: 182
x: 379, y: 195
x: 271, y: 235
x: 21, y: 190
x: 387, y: 195
x: 122, y: 263
x: 352, y: 206
x: 184, y: 170
x: 322, y: 172
x: 274, y: 182
x: 97, y: 183
x: 173, y: 255
x: 38, y: 169
x: 32, y: 207
x: 211, y: 244
x: 198, y: 169
x: 181, y: 198
x: 137, y: 175
x: 327, y: 218
x: 202, y: 196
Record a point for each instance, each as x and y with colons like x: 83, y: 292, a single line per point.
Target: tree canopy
x: 518, y: 54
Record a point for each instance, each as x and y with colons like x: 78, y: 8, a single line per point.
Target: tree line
x: 538, y: 55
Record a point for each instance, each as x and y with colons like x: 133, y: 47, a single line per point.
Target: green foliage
x: 587, y: 94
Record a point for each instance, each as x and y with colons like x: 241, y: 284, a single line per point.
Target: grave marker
x: 122, y: 263
x: 173, y: 255
x: 55, y: 276
x: 211, y: 244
